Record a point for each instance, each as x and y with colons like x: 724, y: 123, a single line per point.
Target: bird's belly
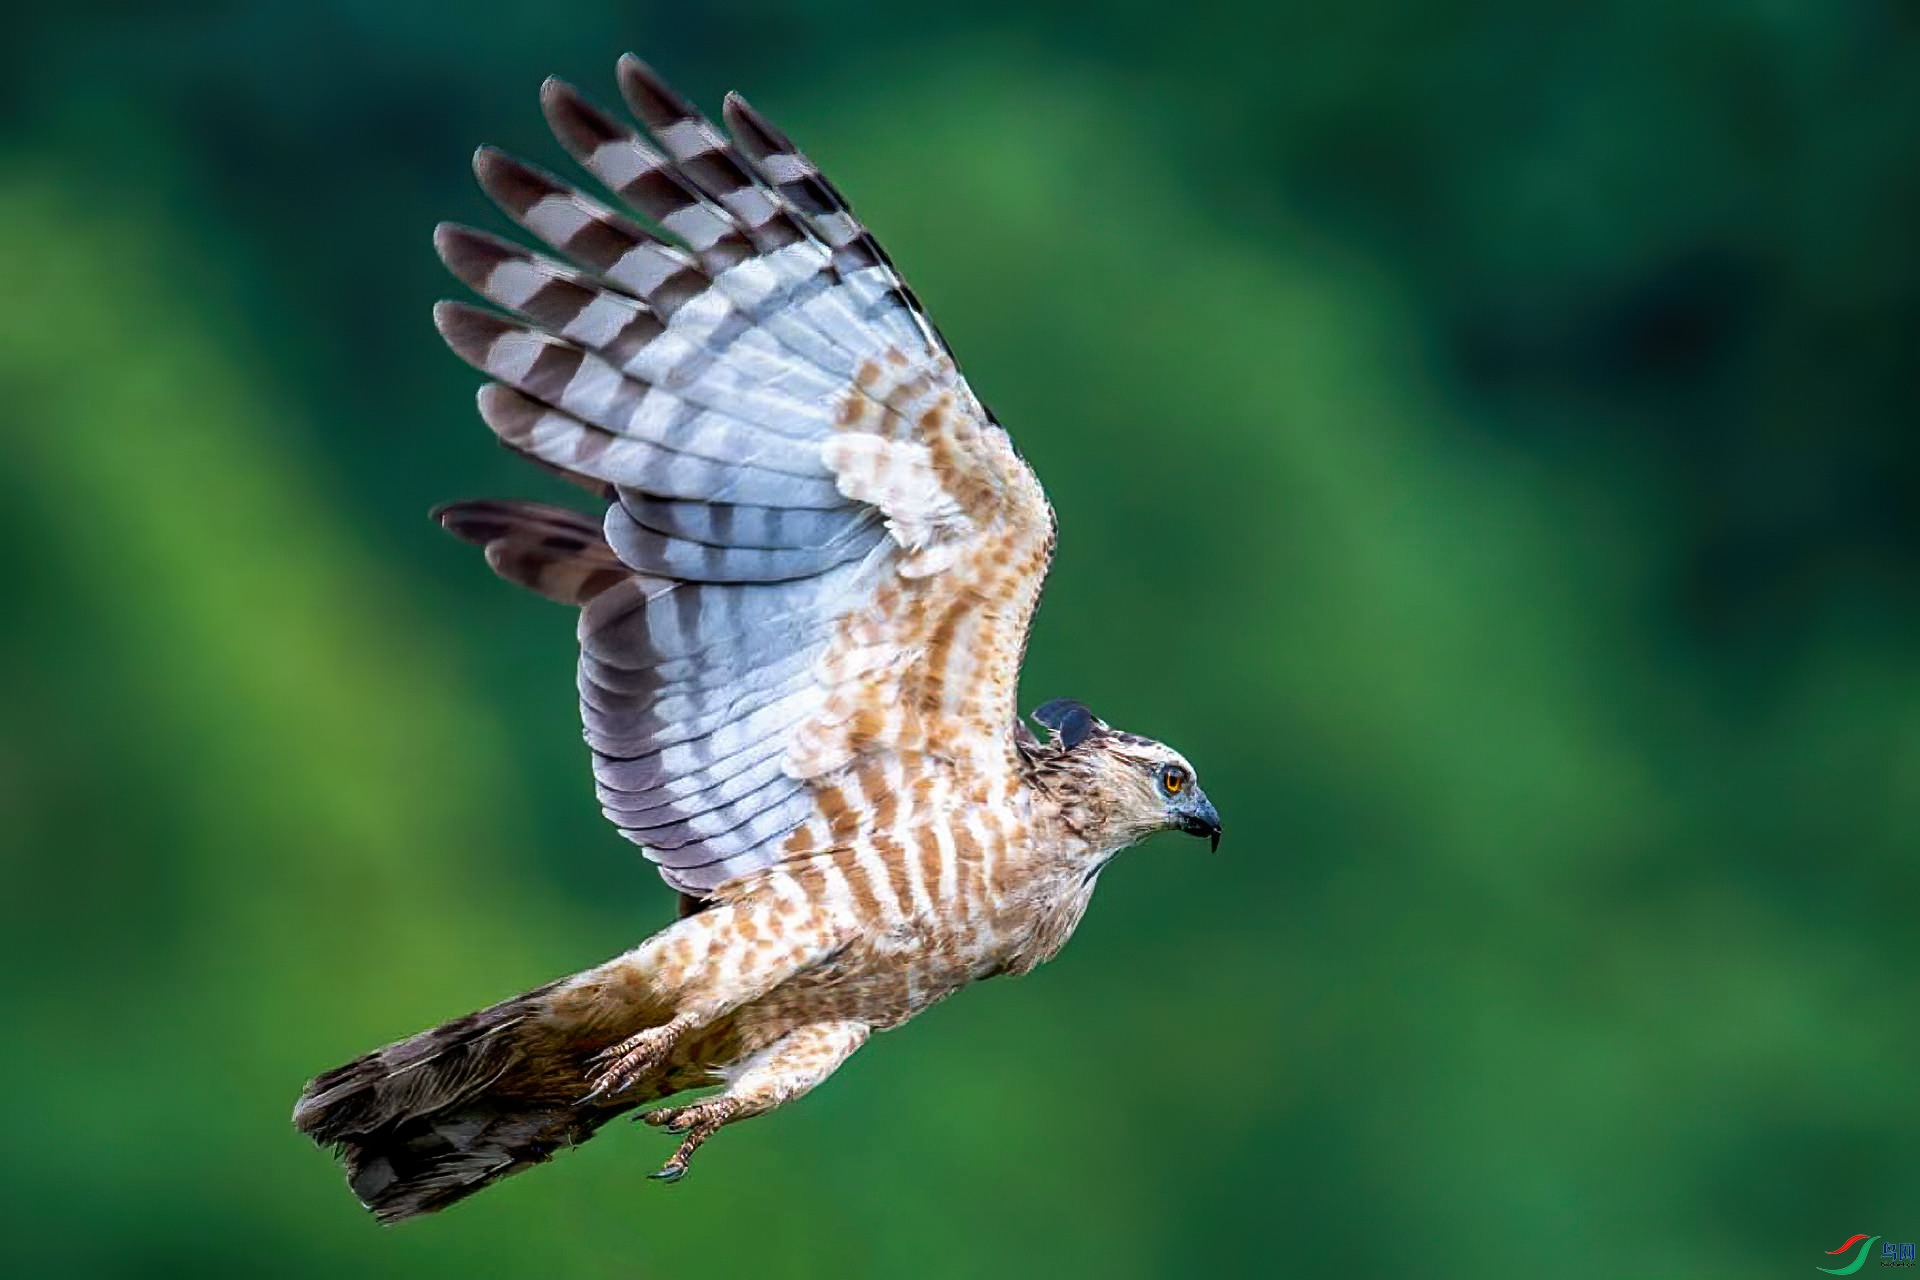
x: 881, y: 982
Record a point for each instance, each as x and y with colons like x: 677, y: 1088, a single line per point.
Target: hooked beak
x: 1196, y: 816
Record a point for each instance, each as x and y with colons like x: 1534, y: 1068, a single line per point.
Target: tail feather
x: 431, y: 1119
x: 428, y: 1162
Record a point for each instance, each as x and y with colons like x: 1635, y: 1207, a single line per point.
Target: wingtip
x: 473, y: 255
x: 469, y: 330
x: 735, y: 104
x: 508, y: 414
x: 759, y: 135
x: 649, y: 95
x: 475, y: 521
x: 735, y: 110
x: 511, y: 183
x: 469, y: 254
x: 557, y: 97
x: 632, y: 69
x: 443, y: 514
x: 580, y: 125
x: 450, y: 317
x: 459, y: 245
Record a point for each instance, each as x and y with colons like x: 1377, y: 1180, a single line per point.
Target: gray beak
x: 1195, y: 815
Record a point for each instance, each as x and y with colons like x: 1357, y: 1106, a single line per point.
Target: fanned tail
x: 432, y: 1119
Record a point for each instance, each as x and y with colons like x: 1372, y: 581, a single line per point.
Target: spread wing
x: 832, y: 551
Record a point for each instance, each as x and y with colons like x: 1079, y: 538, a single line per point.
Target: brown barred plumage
x: 801, y: 622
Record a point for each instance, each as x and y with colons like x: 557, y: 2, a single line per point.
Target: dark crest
x: 1070, y: 719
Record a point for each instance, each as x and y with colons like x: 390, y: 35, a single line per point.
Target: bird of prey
x: 802, y: 615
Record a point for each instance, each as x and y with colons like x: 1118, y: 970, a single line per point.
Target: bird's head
x: 1119, y: 788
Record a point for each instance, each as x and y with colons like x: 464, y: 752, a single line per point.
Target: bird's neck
x: 1047, y: 889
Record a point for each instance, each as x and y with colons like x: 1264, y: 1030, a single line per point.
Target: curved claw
x: 616, y: 1068
x: 697, y: 1122
x: 670, y: 1119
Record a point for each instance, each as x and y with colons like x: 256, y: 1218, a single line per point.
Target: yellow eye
x: 1174, y: 780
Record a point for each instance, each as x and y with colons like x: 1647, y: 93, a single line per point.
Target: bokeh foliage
x: 1484, y: 440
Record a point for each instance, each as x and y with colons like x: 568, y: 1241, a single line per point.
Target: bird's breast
x: 940, y: 895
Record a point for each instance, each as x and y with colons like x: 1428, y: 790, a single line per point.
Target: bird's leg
x: 707, y: 965
x: 779, y: 1073
x: 618, y: 1066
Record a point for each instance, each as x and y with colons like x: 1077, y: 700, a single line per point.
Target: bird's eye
x: 1173, y: 779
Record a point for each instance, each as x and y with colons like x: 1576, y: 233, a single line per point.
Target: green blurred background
x: 1485, y: 440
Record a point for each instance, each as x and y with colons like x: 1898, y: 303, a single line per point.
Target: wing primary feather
x: 856, y: 254
x: 615, y: 248
x: 643, y: 179
x: 705, y: 156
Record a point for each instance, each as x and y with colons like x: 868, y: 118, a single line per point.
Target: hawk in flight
x: 801, y: 623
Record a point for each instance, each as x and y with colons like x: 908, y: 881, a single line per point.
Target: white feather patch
x: 898, y: 478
